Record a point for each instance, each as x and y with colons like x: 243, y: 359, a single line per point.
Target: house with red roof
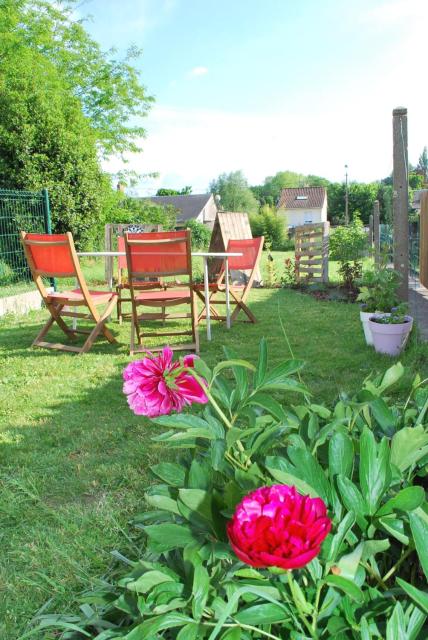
x: 303, y: 205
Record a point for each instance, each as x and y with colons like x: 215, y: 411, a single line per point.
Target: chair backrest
x: 121, y: 260
x: 250, y: 248
x: 163, y: 253
x: 50, y: 255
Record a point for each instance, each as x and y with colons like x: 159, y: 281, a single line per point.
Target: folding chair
x: 155, y: 255
x: 123, y: 286
x: 251, y: 250
x: 54, y: 256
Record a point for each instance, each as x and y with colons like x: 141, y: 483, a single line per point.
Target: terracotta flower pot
x: 390, y: 338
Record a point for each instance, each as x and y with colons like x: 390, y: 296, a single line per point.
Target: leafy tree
x: 126, y: 210
x: 270, y: 191
x: 234, y: 192
x: 269, y: 224
x: 185, y: 191
x: 423, y: 164
x: 62, y: 100
x: 109, y: 89
x: 201, y: 234
x: 361, y: 199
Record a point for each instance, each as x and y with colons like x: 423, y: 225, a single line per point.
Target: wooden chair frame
x: 123, y: 285
x: 59, y: 305
x: 137, y: 335
x: 239, y: 295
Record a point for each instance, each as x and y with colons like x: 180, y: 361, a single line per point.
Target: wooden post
x: 423, y: 240
x: 371, y: 231
x: 400, y: 202
x: 376, y: 234
x: 108, y: 247
x: 325, y: 251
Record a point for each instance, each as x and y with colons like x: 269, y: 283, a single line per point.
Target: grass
x: 75, y: 461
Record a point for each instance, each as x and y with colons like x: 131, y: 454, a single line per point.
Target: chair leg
x: 100, y: 326
x: 195, y: 330
x: 132, y: 343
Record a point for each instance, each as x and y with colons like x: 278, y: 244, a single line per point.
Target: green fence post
x: 48, y: 223
x: 47, y: 210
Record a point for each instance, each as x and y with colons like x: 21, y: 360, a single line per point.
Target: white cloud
x: 395, y: 12
x: 198, y: 71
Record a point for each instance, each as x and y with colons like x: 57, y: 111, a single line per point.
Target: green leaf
x: 353, y: 500
x: 149, y: 628
x: 348, y: 564
x: 408, y: 446
x: 391, y: 376
x: 181, y: 421
x: 347, y: 586
x: 162, y: 502
x: 419, y: 529
x: 259, y: 614
x: 372, y: 547
x: 375, y: 469
x: 202, y: 369
x: 171, y: 473
x: 383, y: 415
x: 218, y: 449
x: 189, y: 632
x: 395, y: 528
x: 201, y: 583
x: 407, y: 499
x: 287, y: 478
x: 230, y: 364
x: 148, y: 580
x: 396, y: 628
x: 337, y: 540
x: 268, y: 403
x: 197, y: 500
x: 340, y: 455
x: 261, y: 363
x: 199, y: 476
x: 418, y: 596
x: 169, y: 536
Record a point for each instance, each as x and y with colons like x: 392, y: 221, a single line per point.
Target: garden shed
x: 230, y: 225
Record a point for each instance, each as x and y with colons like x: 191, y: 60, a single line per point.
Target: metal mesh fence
x: 19, y: 210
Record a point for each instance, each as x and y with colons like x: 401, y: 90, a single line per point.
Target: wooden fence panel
x: 311, y: 242
x: 423, y: 240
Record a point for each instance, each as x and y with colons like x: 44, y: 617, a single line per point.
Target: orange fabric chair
x: 54, y: 256
x: 123, y: 286
x: 251, y: 250
x: 156, y: 255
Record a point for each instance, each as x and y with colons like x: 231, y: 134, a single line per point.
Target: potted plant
x: 391, y: 331
x: 378, y: 294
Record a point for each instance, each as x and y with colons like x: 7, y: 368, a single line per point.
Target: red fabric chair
x: 123, y: 286
x: 248, y: 262
x: 54, y: 256
x: 157, y: 255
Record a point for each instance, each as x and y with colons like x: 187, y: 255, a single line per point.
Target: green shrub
x: 348, y: 245
x: 201, y: 234
x: 365, y: 458
x: 6, y: 273
x: 269, y: 224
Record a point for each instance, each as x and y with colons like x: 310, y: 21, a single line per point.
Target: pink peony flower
x: 156, y: 385
x: 277, y: 527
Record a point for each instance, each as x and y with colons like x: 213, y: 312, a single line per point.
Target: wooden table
x: 205, y: 255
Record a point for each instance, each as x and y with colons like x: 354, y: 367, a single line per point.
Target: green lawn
x: 74, y: 459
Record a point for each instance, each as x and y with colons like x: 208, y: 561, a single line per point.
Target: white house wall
x: 297, y: 217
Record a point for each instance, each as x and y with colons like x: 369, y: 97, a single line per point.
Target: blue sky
x: 270, y: 85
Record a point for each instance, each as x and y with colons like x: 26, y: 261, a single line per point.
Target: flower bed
x: 276, y: 519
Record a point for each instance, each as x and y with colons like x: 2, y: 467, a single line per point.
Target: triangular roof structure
x: 229, y: 225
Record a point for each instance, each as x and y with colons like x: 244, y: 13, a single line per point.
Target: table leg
x: 207, y: 298
x: 226, y: 278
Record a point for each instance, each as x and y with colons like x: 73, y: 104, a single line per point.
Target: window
x: 301, y: 197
